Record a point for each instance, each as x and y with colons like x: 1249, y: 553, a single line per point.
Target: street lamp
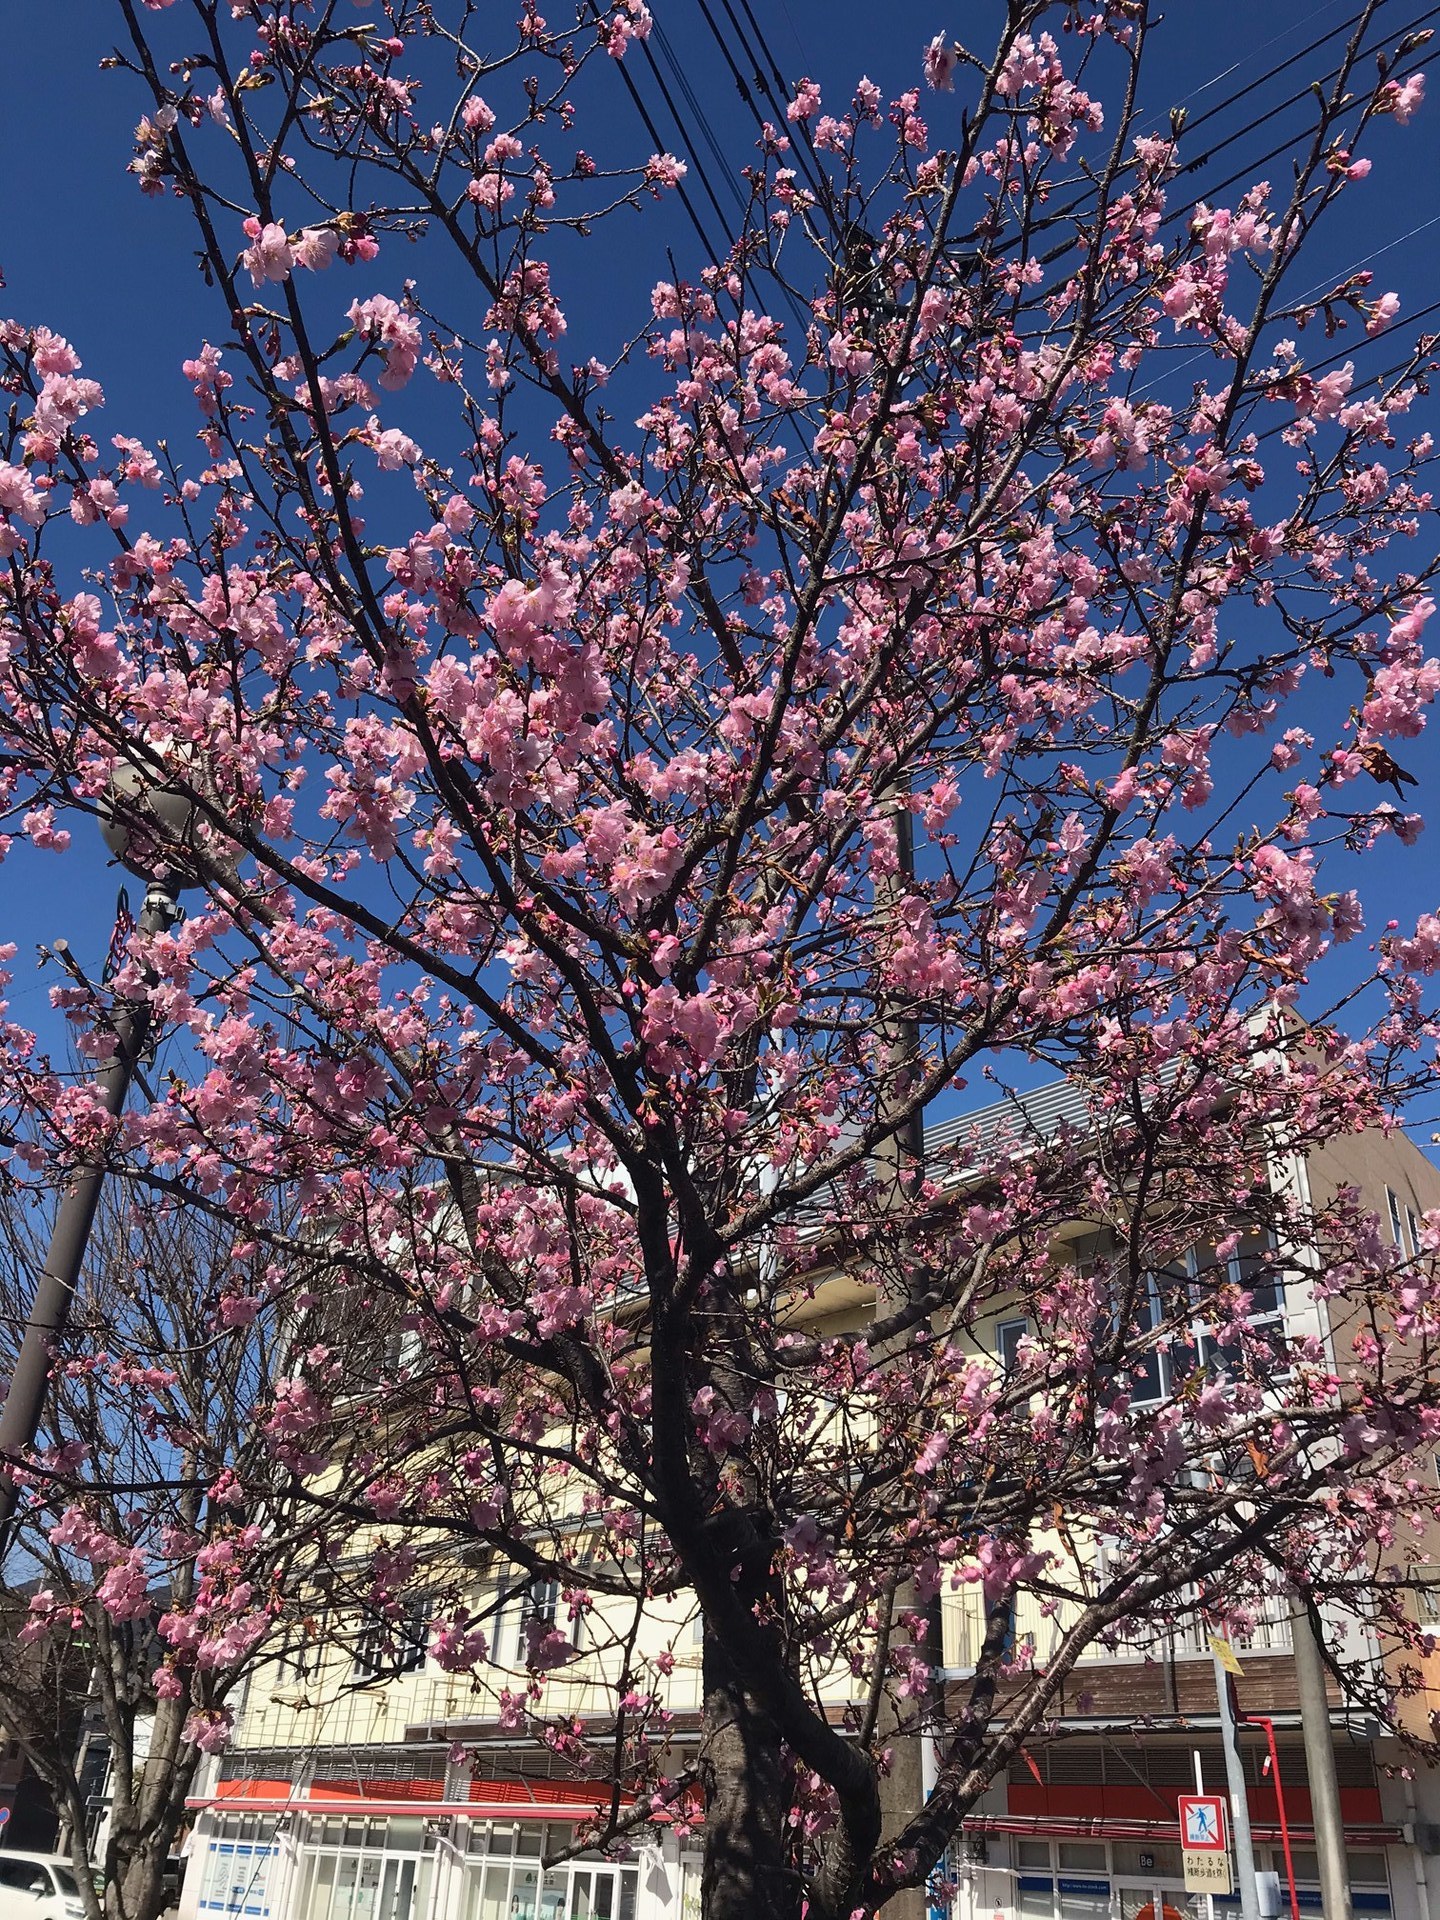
x: 141, y: 824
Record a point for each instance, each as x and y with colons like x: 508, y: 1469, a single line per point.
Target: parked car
x: 38, y: 1886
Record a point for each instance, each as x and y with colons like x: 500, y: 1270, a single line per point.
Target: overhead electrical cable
x: 1199, y: 161
x: 692, y: 101
x: 1310, y: 48
x: 712, y: 252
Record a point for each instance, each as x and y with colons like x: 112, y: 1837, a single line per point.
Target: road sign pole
x: 1239, y: 1794
x: 1200, y: 1788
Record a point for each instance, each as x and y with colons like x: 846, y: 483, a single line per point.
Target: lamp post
x: 138, y: 823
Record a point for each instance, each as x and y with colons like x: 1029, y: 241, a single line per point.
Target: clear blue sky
x: 83, y: 252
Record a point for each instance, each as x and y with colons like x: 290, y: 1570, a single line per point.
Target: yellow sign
x: 1225, y: 1654
x: 1207, y: 1871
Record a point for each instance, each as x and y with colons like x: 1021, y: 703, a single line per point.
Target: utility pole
x: 1239, y: 1796
x: 138, y: 821
x: 24, y: 1406
x: 900, y: 1162
x: 1320, y: 1762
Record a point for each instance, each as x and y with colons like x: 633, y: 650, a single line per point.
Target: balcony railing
x: 1042, y: 1630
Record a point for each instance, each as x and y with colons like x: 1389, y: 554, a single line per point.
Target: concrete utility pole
x: 1239, y: 1797
x: 24, y: 1406
x: 137, y: 820
x: 901, y: 1159
x: 1320, y: 1762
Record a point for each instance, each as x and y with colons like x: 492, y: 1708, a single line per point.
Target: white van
x: 38, y: 1886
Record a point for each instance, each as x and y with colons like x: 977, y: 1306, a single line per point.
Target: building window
x: 387, y: 1648
x: 374, y: 1869
x: 1065, y: 1880
x: 1394, y: 1205
x: 1414, y: 1225
x: 1178, y: 1313
x: 540, y: 1614
x: 1151, y: 1374
x: 235, y: 1878
x: 1008, y: 1335
x: 504, y: 1879
x: 537, y: 1615
x: 1251, y: 1269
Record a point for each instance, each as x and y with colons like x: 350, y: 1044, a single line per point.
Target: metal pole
x: 1258, y: 1720
x: 24, y: 1406
x: 1200, y: 1789
x: 1320, y: 1763
x: 1239, y: 1796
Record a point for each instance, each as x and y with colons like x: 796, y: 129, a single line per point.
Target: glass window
x: 1087, y: 1899
x: 384, y: 1648
x: 1008, y: 1335
x: 1149, y: 1370
x: 1394, y: 1206
x: 536, y: 1616
x: 1035, y: 1898
x: 1251, y: 1268
x: 1146, y: 1860
x: 20, y: 1875
x: 1367, y: 1869
x: 1082, y: 1856
x: 236, y: 1875
x: 1033, y: 1853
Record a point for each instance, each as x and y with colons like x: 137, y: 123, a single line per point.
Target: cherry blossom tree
x: 157, y: 1531
x: 631, y: 786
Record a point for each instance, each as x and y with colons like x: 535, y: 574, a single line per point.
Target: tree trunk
x: 142, y: 1887
x: 746, y: 1777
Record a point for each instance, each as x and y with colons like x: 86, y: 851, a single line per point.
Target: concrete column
x: 1320, y: 1763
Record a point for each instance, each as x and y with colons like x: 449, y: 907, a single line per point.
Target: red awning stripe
x: 489, y: 1799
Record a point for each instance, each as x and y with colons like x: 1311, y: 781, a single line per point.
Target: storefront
x: 447, y: 1863
x: 504, y: 1880
x: 237, y: 1867
x: 364, y: 1869
x: 1014, y: 1877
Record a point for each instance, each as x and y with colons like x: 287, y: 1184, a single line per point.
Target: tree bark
x: 746, y: 1776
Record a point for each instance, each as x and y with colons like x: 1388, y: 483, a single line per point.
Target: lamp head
x: 139, y: 821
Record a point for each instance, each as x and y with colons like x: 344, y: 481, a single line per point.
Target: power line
x: 1356, y: 346
x: 712, y: 253
x: 1297, y: 300
x: 1202, y: 160
x: 1275, y: 152
x: 682, y: 81
x: 817, y: 183
x: 779, y: 103
x: 1311, y: 46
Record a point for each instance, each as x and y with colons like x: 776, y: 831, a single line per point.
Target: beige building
x: 344, y: 1796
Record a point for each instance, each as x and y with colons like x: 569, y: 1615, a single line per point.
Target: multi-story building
x: 366, y: 1784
